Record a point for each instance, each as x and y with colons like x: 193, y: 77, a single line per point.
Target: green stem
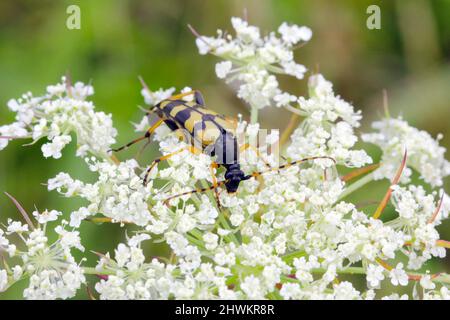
x: 195, y: 241
x: 275, y: 295
x: 254, y: 115
x: 89, y: 270
x: 442, y: 278
x: 356, y: 185
x: 348, y: 270
x: 288, y: 258
x: 226, y: 226
x: 197, y: 233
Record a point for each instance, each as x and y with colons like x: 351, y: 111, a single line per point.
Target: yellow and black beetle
x: 214, y: 133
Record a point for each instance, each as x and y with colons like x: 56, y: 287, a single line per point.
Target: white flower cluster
x: 418, y: 217
x: 328, y: 128
x: 55, y: 115
x: 286, y: 233
x: 330, y: 121
x: 51, y: 269
x: 118, y: 193
x: 252, y: 59
x: 425, y: 155
x: 130, y: 277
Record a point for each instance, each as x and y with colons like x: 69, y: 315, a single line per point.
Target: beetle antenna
x: 287, y: 165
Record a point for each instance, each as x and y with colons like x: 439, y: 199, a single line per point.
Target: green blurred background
x: 120, y: 40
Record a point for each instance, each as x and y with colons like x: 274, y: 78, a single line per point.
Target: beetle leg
x: 219, y: 183
x: 147, y: 135
x: 213, y: 166
x: 191, y: 149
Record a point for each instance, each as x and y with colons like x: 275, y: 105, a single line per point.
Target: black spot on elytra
x: 182, y: 116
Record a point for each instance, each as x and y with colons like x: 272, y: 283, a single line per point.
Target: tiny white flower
x: 143, y: 125
x: 53, y: 149
x: 153, y: 97
x: 292, y: 34
x: 284, y: 99
x: 398, y: 275
x: 223, y: 68
x: 290, y: 291
x: 13, y: 105
x: 244, y: 30
x: 374, y: 275
x: 252, y: 287
x: 17, y: 272
x: 78, y: 215
x: 69, y: 239
x: 14, y: 130
x: 294, y: 69
x: 16, y: 227
x: 426, y: 283
x: 137, y: 239
x: 46, y: 216
x: 3, y: 143
x: 211, y: 240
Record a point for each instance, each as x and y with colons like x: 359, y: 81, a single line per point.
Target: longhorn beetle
x: 214, y: 132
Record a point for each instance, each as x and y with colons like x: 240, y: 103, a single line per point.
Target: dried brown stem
x: 388, y: 194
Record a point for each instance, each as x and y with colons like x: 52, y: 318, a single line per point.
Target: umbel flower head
x: 328, y: 128
x: 252, y: 59
x: 426, y: 156
x: 63, y: 109
x: 50, y: 268
x: 288, y: 233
